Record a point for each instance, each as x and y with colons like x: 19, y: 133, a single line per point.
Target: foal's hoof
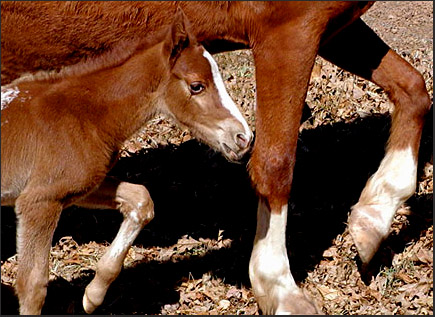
x: 365, y: 228
x: 90, y: 305
x: 94, y: 295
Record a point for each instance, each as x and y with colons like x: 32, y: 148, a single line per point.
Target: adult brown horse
x: 285, y: 38
x: 61, y: 133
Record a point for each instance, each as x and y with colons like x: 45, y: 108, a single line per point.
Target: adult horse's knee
x: 271, y: 174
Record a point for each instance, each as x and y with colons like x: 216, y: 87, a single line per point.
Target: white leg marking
x: 125, y: 238
x: 8, y: 94
x: 392, y: 184
x: 223, y: 94
x: 110, y: 264
x: 269, y: 268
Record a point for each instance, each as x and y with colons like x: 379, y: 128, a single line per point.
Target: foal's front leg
x: 37, y: 216
x: 137, y: 208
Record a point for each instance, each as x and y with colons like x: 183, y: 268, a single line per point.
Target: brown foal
x: 61, y: 132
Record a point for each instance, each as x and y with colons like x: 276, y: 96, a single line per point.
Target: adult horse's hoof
x: 294, y: 303
x: 300, y: 305
x: 367, y: 230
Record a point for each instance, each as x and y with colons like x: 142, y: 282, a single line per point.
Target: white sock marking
x: 270, y: 245
x: 269, y: 268
x: 392, y: 184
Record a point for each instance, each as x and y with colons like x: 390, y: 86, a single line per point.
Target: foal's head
x: 196, y: 96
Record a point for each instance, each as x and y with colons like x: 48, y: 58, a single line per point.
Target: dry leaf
x: 328, y: 293
x: 224, y: 304
x: 404, y: 277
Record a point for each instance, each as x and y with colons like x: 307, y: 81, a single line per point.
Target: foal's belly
x: 8, y: 197
x: 10, y: 190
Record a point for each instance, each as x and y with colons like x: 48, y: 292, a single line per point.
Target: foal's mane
x: 115, y: 56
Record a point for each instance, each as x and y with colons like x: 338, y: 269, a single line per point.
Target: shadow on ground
x: 197, y: 192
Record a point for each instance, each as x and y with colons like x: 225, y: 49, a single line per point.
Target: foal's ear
x: 180, y: 36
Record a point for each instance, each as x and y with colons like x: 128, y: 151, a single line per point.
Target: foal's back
x: 67, y: 123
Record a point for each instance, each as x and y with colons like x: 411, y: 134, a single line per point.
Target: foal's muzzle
x: 235, y: 148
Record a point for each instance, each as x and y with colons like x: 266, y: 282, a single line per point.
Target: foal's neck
x: 129, y: 92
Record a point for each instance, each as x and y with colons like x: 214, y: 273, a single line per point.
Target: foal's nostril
x: 242, y: 140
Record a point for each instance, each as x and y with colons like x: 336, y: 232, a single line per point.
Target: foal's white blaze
x: 392, y: 184
x: 8, y: 94
x: 226, y: 100
x: 269, y: 268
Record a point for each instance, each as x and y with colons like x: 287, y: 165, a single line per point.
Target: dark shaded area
x: 219, y: 45
x: 357, y: 49
x: 197, y: 192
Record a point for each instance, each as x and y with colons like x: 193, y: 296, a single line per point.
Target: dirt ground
x: 193, y: 257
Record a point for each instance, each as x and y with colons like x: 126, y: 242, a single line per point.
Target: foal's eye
x: 196, y: 88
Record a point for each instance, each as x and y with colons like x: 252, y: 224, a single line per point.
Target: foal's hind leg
x: 358, y: 49
x: 37, y: 220
x: 137, y: 208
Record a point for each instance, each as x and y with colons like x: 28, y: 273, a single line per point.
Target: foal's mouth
x: 234, y: 156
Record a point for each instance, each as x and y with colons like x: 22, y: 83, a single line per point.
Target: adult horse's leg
x: 358, y: 49
x: 283, y: 65
x: 137, y: 208
x: 37, y: 217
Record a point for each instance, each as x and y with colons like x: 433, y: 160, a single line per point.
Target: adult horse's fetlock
x: 392, y: 184
x: 269, y: 271
x: 285, y: 300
